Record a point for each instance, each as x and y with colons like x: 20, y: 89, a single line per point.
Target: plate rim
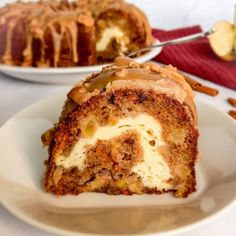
x: 78, y: 69
x: 53, y: 229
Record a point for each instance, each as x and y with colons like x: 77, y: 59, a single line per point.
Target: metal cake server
x: 175, y: 41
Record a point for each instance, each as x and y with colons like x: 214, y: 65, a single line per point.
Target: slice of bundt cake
x: 70, y: 33
x: 129, y: 129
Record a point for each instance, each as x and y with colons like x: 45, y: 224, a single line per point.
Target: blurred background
x: 168, y: 14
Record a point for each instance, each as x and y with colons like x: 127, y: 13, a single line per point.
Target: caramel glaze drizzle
x: 60, y: 17
x: 127, y: 69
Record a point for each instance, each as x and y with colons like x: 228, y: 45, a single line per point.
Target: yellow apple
x: 223, y: 41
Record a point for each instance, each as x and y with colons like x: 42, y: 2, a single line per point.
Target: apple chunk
x: 223, y: 41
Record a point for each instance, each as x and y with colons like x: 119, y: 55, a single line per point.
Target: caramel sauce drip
x: 102, y: 80
x: 8, y: 52
x: 41, y: 17
x: 127, y: 69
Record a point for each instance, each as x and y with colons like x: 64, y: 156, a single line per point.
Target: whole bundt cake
x: 62, y: 34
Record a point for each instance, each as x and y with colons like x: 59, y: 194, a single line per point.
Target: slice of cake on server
x: 131, y: 129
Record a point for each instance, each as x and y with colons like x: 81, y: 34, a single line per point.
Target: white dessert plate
x: 22, y: 168
x: 67, y: 75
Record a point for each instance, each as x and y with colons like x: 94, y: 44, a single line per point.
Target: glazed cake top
x: 125, y: 73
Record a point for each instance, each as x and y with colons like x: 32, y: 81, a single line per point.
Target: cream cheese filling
x: 153, y: 171
x: 108, y: 35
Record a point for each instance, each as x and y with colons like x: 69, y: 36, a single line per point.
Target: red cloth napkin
x: 196, y: 57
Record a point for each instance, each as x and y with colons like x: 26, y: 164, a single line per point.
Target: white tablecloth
x: 16, y: 94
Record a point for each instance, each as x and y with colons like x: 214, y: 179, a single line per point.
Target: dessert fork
x: 174, y: 41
